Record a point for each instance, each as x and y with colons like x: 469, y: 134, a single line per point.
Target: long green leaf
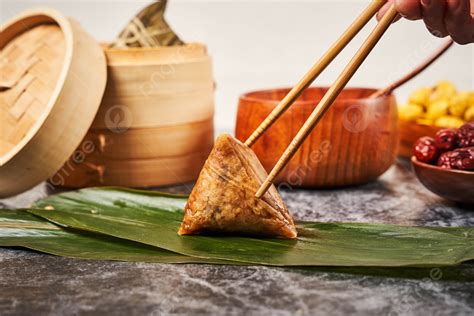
x: 153, y: 218
x: 21, y: 229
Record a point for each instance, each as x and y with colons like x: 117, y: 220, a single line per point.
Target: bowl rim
x: 248, y: 96
x: 415, y: 161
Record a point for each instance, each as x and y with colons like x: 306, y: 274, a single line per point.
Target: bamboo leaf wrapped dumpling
x: 148, y: 29
x: 223, y: 198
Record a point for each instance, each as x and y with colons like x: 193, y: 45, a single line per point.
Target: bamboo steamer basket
x: 144, y: 143
x: 131, y: 172
x: 157, y: 86
x: 154, y: 126
x: 52, y: 73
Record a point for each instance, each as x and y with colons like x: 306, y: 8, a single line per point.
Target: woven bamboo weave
x: 30, y: 66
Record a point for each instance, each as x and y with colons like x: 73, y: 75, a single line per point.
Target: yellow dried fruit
x: 449, y: 121
x: 437, y: 109
x: 424, y: 121
x: 441, y: 105
x: 471, y: 98
x: 458, y: 104
x: 446, y: 86
x: 469, y: 114
x: 410, y: 112
x: 443, y: 90
x: 420, y: 96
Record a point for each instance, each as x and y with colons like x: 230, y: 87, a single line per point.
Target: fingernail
x: 453, y: 4
x: 435, y: 32
x: 426, y: 3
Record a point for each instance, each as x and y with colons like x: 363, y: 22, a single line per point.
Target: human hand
x: 442, y: 18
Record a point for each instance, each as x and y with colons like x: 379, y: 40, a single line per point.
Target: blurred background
x: 267, y: 43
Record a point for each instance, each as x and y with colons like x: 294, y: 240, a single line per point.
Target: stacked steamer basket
x: 155, y: 123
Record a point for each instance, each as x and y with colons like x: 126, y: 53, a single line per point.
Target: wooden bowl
x: 409, y: 134
x: 53, y: 76
x: 354, y: 143
x: 454, y: 185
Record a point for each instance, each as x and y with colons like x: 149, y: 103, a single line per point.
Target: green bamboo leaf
x: 153, y: 218
x: 20, y: 229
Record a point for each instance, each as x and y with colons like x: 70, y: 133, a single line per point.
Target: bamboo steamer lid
x: 53, y: 76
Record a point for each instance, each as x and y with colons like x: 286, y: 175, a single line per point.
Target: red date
x: 465, y: 135
x: 444, y: 160
x: 461, y: 158
x: 464, y: 158
x: 451, y: 148
x: 425, y: 150
x: 446, y: 139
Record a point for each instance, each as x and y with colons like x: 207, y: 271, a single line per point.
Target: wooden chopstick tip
x: 263, y: 188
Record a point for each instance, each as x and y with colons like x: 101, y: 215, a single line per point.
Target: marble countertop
x: 34, y: 283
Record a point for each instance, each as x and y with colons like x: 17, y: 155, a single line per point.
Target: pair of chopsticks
x: 333, y: 91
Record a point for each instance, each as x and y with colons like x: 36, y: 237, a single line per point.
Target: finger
x: 409, y: 9
x: 458, y: 21
x: 384, y: 10
x: 433, y: 16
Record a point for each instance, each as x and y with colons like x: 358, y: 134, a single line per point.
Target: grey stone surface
x: 34, y: 283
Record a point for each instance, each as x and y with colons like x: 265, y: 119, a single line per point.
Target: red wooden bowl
x: 451, y: 184
x: 354, y: 143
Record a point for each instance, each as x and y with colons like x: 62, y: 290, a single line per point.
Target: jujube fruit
x: 446, y: 139
x: 466, y: 135
x: 425, y: 149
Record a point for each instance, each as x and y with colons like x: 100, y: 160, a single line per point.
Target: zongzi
x: 223, y: 199
x: 148, y: 29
